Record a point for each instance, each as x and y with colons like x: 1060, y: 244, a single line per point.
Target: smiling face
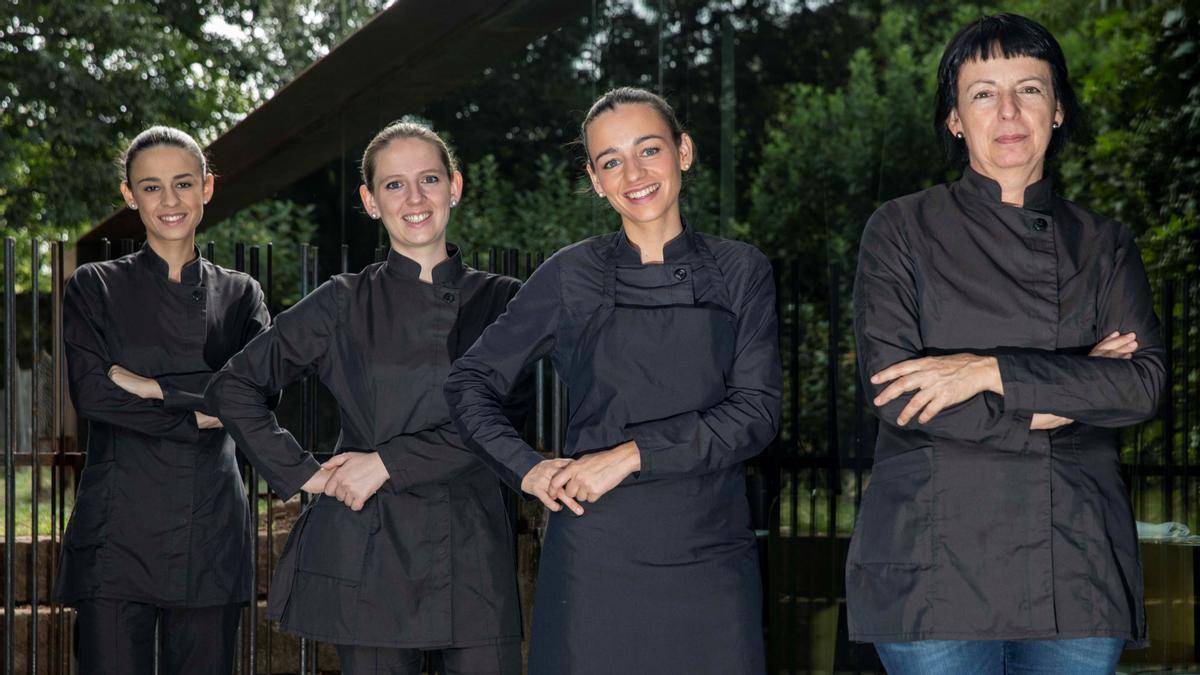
x: 636, y: 163
x: 168, y: 188
x: 1005, y: 109
x: 412, y: 194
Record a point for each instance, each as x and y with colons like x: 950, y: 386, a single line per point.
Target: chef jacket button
x: 448, y: 297
x: 1040, y: 225
x: 681, y: 273
x: 197, y: 295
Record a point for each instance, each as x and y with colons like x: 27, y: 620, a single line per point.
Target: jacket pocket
x: 93, y: 504
x: 335, y: 539
x: 896, y: 520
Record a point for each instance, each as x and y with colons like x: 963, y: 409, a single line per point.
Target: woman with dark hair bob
x: 160, y: 531
x: 1005, y: 334
x: 667, y: 341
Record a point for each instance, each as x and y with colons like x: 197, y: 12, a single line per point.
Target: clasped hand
x: 944, y: 381
x: 350, y: 477
x: 587, y: 479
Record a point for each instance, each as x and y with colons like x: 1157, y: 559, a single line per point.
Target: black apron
x: 658, y: 576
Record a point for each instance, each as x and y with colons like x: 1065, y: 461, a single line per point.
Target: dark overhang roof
x: 408, y: 55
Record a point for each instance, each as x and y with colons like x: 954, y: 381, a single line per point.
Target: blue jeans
x: 1082, y: 656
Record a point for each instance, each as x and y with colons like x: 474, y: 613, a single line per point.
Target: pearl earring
x: 1054, y: 125
x: 453, y: 203
x: 133, y: 206
x: 959, y: 135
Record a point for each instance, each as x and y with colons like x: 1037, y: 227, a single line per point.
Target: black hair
x: 1003, y: 36
x: 629, y: 96
x: 160, y: 135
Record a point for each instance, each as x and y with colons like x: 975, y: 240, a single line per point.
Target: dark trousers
x: 497, y: 659
x: 117, y: 637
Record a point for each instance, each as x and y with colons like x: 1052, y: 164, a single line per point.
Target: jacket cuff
x: 289, y: 482
x: 1019, y: 397
x: 175, y: 398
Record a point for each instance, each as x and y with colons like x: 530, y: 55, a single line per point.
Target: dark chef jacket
x: 973, y: 526
x: 161, y: 513
x: 428, y: 562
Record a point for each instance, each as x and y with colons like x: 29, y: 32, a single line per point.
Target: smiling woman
x: 160, y: 528
x: 667, y: 341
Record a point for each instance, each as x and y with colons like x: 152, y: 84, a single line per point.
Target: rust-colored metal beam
x: 407, y: 56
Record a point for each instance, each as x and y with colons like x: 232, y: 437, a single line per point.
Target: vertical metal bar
x: 35, y: 264
x: 10, y: 475
x: 1185, y: 318
x: 380, y: 253
x: 313, y: 433
x: 211, y: 251
x: 239, y: 264
x: 58, y: 617
x: 728, y: 128
x: 251, y: 620
x: 345, y: 256
x: 1168, y: 405
x: 540, y: 390
x: 305, y: 398
x: 127, y: 245
x: 106, y: 247
x: 269, y: 292
x: 491, y: 266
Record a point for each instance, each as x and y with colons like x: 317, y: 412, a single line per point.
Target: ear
x: 687, y: 152
x: 209, y: 182
x: 127, y: 194
x: 456, y: 186
x: 368, y: 200
x: 1059, y: 116
x: 595, y: 179
x: 953, y: 123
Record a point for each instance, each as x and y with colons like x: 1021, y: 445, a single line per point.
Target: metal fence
x: 804, y: 490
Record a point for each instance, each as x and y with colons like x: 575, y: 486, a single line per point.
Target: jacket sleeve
x: 1098, y: 391
x: 296, y: 345
x: 94, y: 395
x: 494, y: 366
x: 742, y: 424
x: 429, y: 456
x: 187, y: 392
x: 887, y: 331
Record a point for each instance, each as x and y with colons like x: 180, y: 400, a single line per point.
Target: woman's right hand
x: 1113, y: 346
x: 208, y: 421
x: 537, y: 483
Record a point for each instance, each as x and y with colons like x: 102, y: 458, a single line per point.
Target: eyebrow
x: 639, y: 141
x: 1037, y: 78
x: 154, y: 179
x: 422, y: 172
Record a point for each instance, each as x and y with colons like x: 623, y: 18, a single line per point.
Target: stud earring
x: 453, y: 203
x: 959, y: 135
x: 1054, y: 125
x: 133, y: 206
x: 374, y: 216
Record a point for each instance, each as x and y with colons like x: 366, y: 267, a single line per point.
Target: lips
x: 643, y: 194
x: 1008, y: 139
x: 417, y: 218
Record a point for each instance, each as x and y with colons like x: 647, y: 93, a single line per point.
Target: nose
x: 633, y: 169
x: 1009, y: 105
x: 414, y: 195
x: 170, y: 196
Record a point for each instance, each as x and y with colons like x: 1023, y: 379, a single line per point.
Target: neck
x: 1012, y: 181
x: 428, y: 257
x: 650, y: 238
x: 175, y: 253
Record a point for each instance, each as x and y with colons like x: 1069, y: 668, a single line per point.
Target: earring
x: 133, y: 206
x: 374, y: 216
x: 453, y: 203
x: 959, y: 135
x: 1054, y: 125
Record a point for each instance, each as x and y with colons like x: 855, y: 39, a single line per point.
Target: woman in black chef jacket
x: 409, y: 549
x: 1006, y: 333
x: 667, y: 342
x: 160, y: 526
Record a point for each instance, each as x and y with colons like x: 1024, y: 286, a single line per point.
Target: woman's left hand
x: 142, y: 387
x: 356, y: 477
x: 590, y: 477
x: 939, y: 382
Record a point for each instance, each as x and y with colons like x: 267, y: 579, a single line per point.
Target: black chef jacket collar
x: 679, y: 248
x: 192, y: 273
x: 445, y: 273
x: 1038, y: 195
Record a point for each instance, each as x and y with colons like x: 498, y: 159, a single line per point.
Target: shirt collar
x: 445, y: 273
x: 679, y: 248
x: 1038, y: 195
x: 192, y: 273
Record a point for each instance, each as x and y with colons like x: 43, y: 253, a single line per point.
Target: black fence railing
x: 804, y: 491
